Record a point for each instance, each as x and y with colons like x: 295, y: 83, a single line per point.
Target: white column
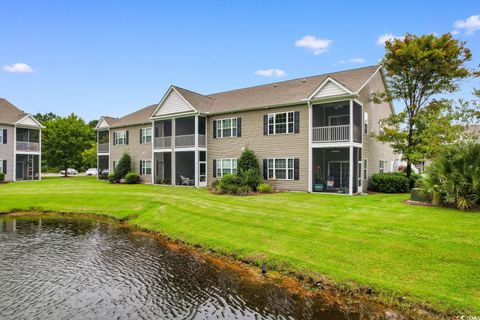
x: 351, y: 120
x: 350, y: 175
x: 40, y: 155
x: 154, y: 163
x: 196, y: 153
x: 14, y: 173
x: 174, y: 174
x: 310, y: 158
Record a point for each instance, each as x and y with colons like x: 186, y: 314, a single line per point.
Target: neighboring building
x: 309, y: 134
x: 20, y: 144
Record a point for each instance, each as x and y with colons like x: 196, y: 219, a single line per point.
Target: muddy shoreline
x: 362, y: 300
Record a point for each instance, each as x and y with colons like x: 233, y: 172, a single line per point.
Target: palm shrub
x: 249, y: 169
x: 454, y: 177
x: 124, y: 166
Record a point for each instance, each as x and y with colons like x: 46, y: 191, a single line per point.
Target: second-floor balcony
x: 103, y: 147
x: 28, y: 146
x: 179, y: 133
x: 331, y: 133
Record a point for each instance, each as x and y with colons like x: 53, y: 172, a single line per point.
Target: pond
x: 63, y: 268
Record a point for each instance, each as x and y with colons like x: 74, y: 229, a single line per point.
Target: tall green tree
x: 89, y: 157
x: 45, y: 117
x: 418, y: 70
x: 64, y: 140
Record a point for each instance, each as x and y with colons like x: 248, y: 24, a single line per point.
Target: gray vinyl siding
x: 7, y: 151
x: 174, y: 103
x: 264, y: 146
x: 136, y: 150
x: 374, y: 150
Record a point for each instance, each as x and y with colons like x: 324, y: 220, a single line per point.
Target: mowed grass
x: 422, y: 253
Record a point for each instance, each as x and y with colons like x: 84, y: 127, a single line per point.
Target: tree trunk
x: 66, y: 173
x: 408, y: 170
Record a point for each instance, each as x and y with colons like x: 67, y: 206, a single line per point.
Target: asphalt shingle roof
x: 9, y: 114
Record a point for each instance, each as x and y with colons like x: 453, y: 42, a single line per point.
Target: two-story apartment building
x: 310, y: 134
x: 20, y: 144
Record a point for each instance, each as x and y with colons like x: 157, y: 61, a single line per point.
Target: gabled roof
x: 11, y: 115
x: 138, y: 117
x: 274, y: 94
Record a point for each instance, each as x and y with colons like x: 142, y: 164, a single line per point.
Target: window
x: 146, y: 135
x: 365, y: 169
x: 226, y: 128
x: 145, y: 167
x: 382, y: 165
x: 281, y: 122
x: 226, y: 166
x: 365, y: 122
x: 120, y: 137
x: 280, y: 169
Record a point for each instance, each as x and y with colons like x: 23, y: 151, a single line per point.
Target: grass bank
x: 422, y: 254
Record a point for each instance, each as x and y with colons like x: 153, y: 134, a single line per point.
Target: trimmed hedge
x: 132, y: 178
x: 389, y: 183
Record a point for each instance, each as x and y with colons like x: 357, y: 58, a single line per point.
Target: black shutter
x: 214, y: 167
x: 296, y: 119
x: 214, y: 130
x: 265, y: 124
x: 265, y: 169
x: 141, y: 131
x: 5, y: 166
x: 126, y: 136
x: 296, y: 169
x: 239, y: 127
x: 141, y: 166
x: 114, y: 138
x: 4, y: 136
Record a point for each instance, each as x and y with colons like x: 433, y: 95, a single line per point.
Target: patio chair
x: 330, y: 183
x: 186, y: 181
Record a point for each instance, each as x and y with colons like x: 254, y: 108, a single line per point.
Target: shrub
x: 243, y: 190
x: 2, y: 176
x: 112, y: 178
x: 250, y: 177
x: 229, y: 184
x: 248, y: 160
x: 124, y: 166
x: 454, y: 177
x: 264, y: 188
x: 389, y: 183
x: 132, y: 178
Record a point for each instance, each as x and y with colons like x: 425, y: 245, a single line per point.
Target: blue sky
x: 112, y: 57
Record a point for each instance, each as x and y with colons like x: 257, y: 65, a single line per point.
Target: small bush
x: 250, y: 177
x: 229, y: 184
x: 2, y: 176
x: 389, y: 183
x: 112, y: 178
x: 243, y: 190
x: 132, y: 178
x: 124, y: 166
x: 264, y: 188
x: 248, y: 160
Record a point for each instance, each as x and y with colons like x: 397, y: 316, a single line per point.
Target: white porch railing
x: 102, y: 148
x: 28, y: 146
x: 187, y: 140
x: 331, y: 133
x: 162, y: 142
x: 201, y: 140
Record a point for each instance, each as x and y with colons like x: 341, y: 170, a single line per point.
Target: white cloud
x: 387, y: 37
x: 316, y: 45
x: 18, y: 68
x: 353, y: 60
x: 271, y: 73
x: 455, y: 32
x: 470, y: 25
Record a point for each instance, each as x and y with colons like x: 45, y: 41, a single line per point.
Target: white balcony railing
x: 201, y: 140
x: 102, y: 148
x: 162, y: 142
x: 187, y: 140
x: 28, y: 146
x: 331, y: 133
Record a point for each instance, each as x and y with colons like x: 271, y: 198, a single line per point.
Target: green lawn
x: 423, y: 253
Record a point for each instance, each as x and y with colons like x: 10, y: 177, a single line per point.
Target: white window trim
x: 145, y: 167
x: 382, y: 166
x: 219, y: 165
x: 274, y: 116
x: 117, y: 138
x: 287, y: 169
x: 145, y: 136
x: 365, y: 122
x: 219, y: 128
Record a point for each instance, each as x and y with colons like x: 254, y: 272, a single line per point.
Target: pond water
x: 86, y: 269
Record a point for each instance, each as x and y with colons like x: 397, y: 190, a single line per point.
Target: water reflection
x: 82, y: 269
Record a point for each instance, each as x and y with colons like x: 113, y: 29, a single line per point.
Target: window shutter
x: 239, y: 127
x: 296, y: 119
x: 114, y: 138
x: 265, y: 169
x: 296, y: 169
x: 265, y: 124
x: 214, y: 167
x: 126, y: 137
x: 214, y: 130
x: 141, y: 133
x: 141, y: 165
x: 4, y: 136
x: 5, y: 166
